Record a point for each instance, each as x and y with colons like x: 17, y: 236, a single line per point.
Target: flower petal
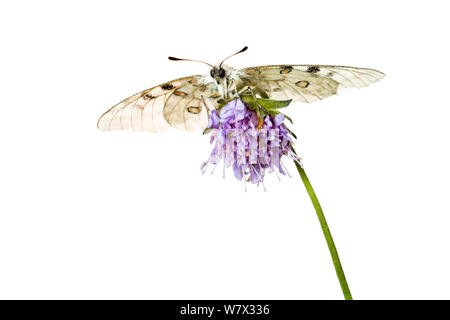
x: 250, y: 150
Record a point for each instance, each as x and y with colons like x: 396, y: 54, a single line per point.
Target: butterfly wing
x: 177, y: 103
x: 305, y: 83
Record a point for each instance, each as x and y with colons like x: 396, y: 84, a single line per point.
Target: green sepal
x: 250, y: 102
x: 292, y: 134
x: 264, y: 103
x: 261, y: 113
x: 207, y: 130
x: 273, y: 112
x: 273, y: 104
x: 223, y: 104
x: 289, y: 118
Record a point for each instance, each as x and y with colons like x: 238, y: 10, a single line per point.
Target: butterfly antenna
x: 242, y: 50
x: 178, y: 59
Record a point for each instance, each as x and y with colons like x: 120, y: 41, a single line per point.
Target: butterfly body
x: 185, y: 103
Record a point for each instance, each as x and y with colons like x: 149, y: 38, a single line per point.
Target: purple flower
x: 250, y: 145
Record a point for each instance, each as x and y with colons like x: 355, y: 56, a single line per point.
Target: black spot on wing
x: 313, y: 69
x: 167, y: 86
x: 147, y: 96
x: 194, y: 110
x: 180, y: 93
x: 285, y: 69
x: 302, y: 84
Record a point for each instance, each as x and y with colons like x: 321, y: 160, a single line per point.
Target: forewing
x: 306, y: 83
x: 177, y: 103
x: 186, y: 108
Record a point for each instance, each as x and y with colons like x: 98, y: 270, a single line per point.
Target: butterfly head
x: 220, y: 72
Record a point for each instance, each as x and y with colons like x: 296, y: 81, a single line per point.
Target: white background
x: 86, y: 214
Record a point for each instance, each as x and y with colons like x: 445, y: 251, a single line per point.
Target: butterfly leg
x: 255, y: 99
x: 208, y: 107
x: 232, y: 88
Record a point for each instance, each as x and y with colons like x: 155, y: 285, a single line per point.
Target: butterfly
x: 185, y: 103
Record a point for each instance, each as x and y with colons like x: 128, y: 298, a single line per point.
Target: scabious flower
x: 251, y: 145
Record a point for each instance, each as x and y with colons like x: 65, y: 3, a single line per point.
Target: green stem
x: 326, y: 233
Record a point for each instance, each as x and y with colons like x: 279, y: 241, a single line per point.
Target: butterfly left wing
x: 177, y: 103
x: 305, y: 83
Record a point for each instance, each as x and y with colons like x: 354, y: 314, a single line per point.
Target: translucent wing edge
x: 104, y: 122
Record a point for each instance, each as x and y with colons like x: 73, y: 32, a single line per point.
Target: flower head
x: 248, y: 143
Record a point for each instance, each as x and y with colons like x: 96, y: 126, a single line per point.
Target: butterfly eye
x: 212, y: 73
x: 221, y: 73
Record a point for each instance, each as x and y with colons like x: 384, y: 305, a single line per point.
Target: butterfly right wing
x: 177, y: 103
x: 305, y: 83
